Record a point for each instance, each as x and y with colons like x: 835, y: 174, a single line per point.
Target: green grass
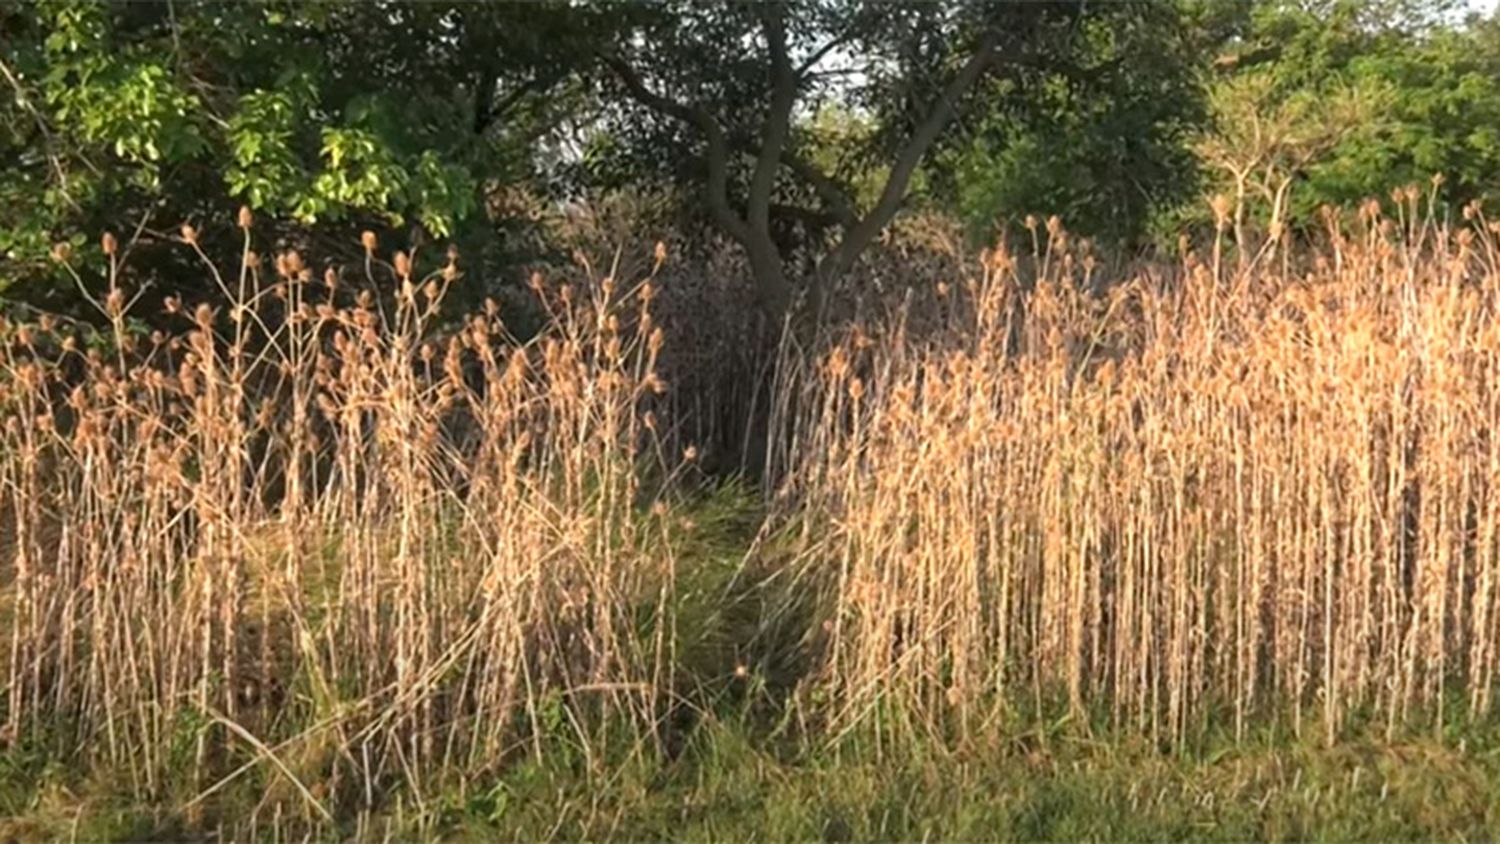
x: 728, y: 784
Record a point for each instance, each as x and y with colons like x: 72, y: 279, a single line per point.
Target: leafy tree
x: 723, y: 91
x: 1264, y: 136
x: 1333, y: 101
x: 329, y: 113
x: 799, y: 123
x: 1100, y: 137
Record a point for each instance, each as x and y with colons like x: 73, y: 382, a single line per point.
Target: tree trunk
x: 773, y: 292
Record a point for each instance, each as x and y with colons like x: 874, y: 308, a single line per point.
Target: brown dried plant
x: 318, y: 533
x: 1191, y: 493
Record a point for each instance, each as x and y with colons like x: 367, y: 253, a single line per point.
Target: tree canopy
x: 933, y: 93
x: 1335, y: 101
x: 799, y: 128
x: 138, y: 116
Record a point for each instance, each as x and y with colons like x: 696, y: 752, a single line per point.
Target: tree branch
x: 53, y: 158
x: 922, y: 138
x: 778, y: 119
x: 484, y: 95
x: 717, y: 153
x: 489, y: 111
x: 641, y: 93
x: 834, y: 196
x: 822, y: 52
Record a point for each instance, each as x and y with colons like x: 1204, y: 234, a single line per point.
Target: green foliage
x: 147, y: 114
x: 264, y: 165
x: 1099, y: 138
x: 335, y: 115
x: 1345, y: 100
x: 1444, y: 118
x: 720, y: 98
x: 729, y: 785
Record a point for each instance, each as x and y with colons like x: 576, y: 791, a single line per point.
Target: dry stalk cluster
x: 1198, y: 492
x: 314, y: 535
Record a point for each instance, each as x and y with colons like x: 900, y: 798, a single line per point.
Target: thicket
x: 318, y: 546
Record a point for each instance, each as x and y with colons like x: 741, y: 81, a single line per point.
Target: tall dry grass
x: 320, y: 537
x: 315, y: 536
x: 1198, y: 491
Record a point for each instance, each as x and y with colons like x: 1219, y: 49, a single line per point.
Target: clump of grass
x: 1195, y: 491
x: 352, y: 552
x: 727, y: 783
